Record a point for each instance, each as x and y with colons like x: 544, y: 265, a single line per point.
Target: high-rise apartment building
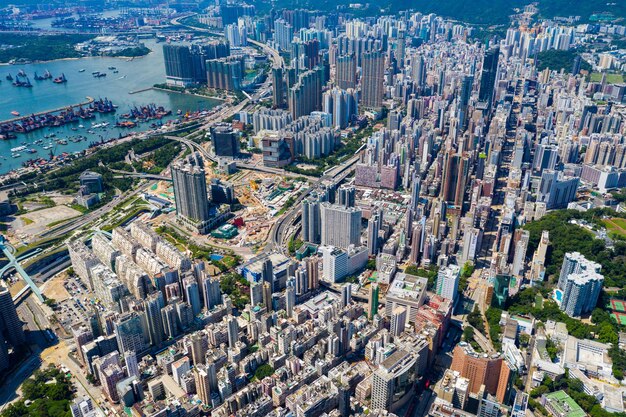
x: 579, y: 286
x: 372, y: 301
x: 130, y: 333
x: 203, y: 384
x: 278, y: 87
x: 153, y: 306
x: 448, y: 282
x: 225, y: 73
x: 341, y: 226
x: 306, y: 95
x: 311, y: 219
x: 190, y: 192
x: 283, y: 34
x: 345, y: 74
x: 372, y: 79
x: 178, y: 66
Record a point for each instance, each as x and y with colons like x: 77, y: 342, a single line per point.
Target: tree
x: 475, y: 319
x: 524, y: 339
x: 263, y: 371
x: 468, y: 334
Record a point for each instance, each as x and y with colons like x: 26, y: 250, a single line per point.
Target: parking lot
x: 74, y: 310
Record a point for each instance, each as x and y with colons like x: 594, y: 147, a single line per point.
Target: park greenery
x: 430, y: 273
x: 46, y: 394
x: 131, y: 52
x: 556, y: 60
x: 568, y: 237
x: 574, y: 388
x: 263, y: 371
x: 237, y: 287
x: 103, y: 161
x: 40, y: 48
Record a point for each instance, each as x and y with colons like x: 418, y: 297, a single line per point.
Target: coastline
x: 41, y: 113
x: 183, y: 93
x: 8, y: 64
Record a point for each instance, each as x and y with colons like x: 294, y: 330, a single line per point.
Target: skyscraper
x: 10, y: 324
x: 132, y: 368
x: 283, y: 34
x: 306, y: 95
x: 233, y: 331
x: 203, y: 384
x: 345, y: 76
x: 373, y: 228
x: 278, y: 87
x: 346, y: 294
x: 341, y: 226
x: 488, y: 75
x: 153, y: 306
x: 178, y: 67
x: 342, y: 104
x: 225, y: 73
x: 372, y: 81
x: 580, y: 284
x: 211, y: 293
x: 398, y: 321
x: 11, y: 331
x: 190, y: 193
x: 311, y: 220
x: 225, y: 140
x: 372, y: 301
x: 130, y: 333
x: 346, y: 195
x: 290, y: 298
x: 192, y: 294
x: 455, y: 174
x: 448, y: 282
x: 312, y: 272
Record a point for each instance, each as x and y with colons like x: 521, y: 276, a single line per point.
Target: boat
x: 9, y: 77
x: 46, y: 147
x: 18, y: 149
x: 21, y: 73
x: 60, y: 80
x: 81, y: 70
x: 81, y: 126
x: 15, y: 155
x: 31, y: 150
x: 112, y: 68
x: 62, y: 142
x: 115, y: 72
x: 101, y: 74
x: 122, y: 77
x: 20, y: 83
x: 95, y: 73
x: 15, y: 113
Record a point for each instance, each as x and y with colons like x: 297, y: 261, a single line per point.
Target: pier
x: 140, y: 91
x: 43, y: 113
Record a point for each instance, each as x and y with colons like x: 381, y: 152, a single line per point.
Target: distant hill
x: 484, y: 12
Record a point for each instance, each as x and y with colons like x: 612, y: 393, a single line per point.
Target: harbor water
x: 127, y: 87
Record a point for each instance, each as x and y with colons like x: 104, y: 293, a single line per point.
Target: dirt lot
x: 54, y: 288
x: 32, y: 224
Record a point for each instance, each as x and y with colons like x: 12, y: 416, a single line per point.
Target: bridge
x: 14, y: 263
